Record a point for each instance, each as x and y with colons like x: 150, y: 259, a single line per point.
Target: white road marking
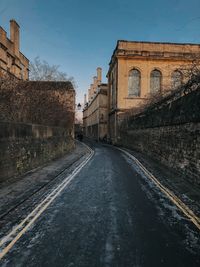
x: 7, y: 242
x: 182, y: 206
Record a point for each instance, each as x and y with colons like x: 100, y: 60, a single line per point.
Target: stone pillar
x: 91, y: 90
x: 3, y: 35
x: 89, y: 94
x: 99, y: 75
x: 14, y: 36
x: 95, y: 84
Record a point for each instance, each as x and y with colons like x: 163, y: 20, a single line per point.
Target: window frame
x: 152, y: 77
x: 132, y: 95
x: 172, y: 79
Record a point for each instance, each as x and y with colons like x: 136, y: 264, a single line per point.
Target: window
x: 22, y: 71
x: 155, y: 81
x: 134, y: 81
x: 177, y: 79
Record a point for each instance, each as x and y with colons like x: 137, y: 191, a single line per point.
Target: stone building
x: 95, y: 112
x: 138, y: 70
x: 12, y: 61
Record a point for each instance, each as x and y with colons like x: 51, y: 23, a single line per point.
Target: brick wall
x: 169, y: 133
x: 26, y: 146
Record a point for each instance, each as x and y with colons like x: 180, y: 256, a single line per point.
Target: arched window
x: 155, y: 81
x: 134, y: 81
x: 177, y: 79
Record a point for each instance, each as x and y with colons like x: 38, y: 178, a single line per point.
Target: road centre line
x: 7, y: 242
x: 179, y: 203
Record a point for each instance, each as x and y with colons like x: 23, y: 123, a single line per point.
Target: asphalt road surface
x: 110, y: 214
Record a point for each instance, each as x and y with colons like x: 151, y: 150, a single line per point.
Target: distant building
x: 140, y: 69
x: 95, y: 112
x: 12, y: 61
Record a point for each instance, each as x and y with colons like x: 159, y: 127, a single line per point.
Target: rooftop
x: 150, y: 42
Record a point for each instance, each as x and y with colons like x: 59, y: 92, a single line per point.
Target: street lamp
x: 78, y: 106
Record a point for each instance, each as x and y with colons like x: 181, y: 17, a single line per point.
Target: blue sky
x: 79, y: 35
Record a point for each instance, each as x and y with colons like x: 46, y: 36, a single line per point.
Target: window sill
x: 134, y: 97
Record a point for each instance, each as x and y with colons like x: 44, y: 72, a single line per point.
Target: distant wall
x: 169, y: 133
x: 26, y: 146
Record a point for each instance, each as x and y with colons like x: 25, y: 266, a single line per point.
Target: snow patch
x: 167, y: 210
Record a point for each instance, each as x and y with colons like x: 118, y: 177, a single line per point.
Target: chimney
x: 99, y: 75
x: 14, y: 36
x: 91, y: 89
x: 89, y: 94
x: 3, y: 35
x: 85, y: 99
x: 95, y: 83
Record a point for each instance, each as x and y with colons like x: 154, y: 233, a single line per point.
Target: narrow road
x: 109, y: 215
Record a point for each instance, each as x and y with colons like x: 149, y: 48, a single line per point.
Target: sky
x: 80, y: 35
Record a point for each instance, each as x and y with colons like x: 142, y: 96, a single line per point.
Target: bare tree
x: 191, y: 74
x: 42, y: 71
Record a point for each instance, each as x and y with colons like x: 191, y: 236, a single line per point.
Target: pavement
x: 108, y: 214
x: 17, y: 190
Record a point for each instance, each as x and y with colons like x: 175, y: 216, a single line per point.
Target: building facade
x: 95, y: 112
x: 12, y: 61
x: 138, y: 70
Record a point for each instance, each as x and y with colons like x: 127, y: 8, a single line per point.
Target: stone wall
x: 170, y: 133
x: 26, y: 146
x: 36, y: 124
x: 39, y: 102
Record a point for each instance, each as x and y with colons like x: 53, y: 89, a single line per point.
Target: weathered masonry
x: 95, y: 113
x: 12, y: 61
x: 170, y: 133
x: 37, y: 128
x: 140, y: 69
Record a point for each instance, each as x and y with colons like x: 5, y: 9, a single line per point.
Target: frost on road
x: 110, y: 214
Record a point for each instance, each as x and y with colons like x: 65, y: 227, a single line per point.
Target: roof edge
x: 150, y: 42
